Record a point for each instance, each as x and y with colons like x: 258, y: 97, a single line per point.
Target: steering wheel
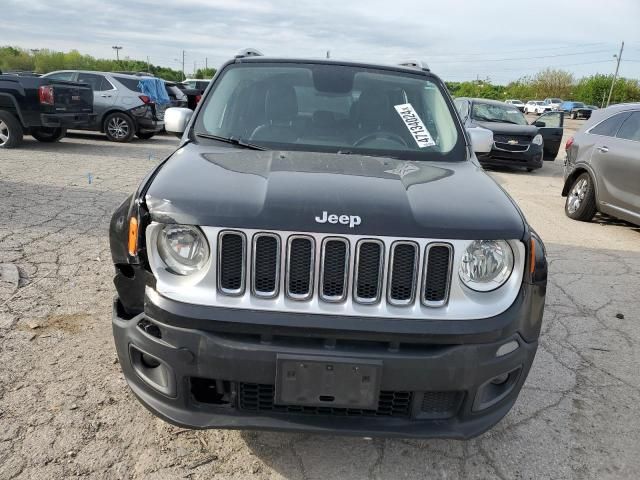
x: 383, y: 135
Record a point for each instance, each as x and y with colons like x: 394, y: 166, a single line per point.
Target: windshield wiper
x: 232, y: 140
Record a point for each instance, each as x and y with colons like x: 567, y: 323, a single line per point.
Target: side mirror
x: 176, y: 120
x: 539, y: 123
x: 481, y: 139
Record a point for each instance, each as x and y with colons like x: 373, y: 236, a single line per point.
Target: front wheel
x: 48, y: 134
x: 10, y: 131
x: 581, y: 200
x: 119, y: 127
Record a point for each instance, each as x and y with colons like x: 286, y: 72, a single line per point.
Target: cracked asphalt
x: 65, y: 409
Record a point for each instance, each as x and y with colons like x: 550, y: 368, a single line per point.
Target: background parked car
x: 200, y: 84
x: 121, y: 109
x: 536, y: 106
x: 554, y: 103
x: 516, y: 103
x: 576, y: 109
x: 176, y: 95
x: 602, y: 168
x: 516, y: 143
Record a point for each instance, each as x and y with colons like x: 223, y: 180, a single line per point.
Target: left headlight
x: 183, y: 248
x: 486, y: 265
x: 537, y: 140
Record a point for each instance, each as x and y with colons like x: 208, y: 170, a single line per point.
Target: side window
x: 62, y: 76
x: 106, y: 85
x: 95, y: 81
x: 463, y: 108
x: 552, y: 119
x: 630, y: 129
x: 610, y: 126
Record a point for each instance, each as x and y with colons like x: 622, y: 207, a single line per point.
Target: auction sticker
x: 415, y: 126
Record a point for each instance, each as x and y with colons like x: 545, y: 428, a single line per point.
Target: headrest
x: 281, y: 103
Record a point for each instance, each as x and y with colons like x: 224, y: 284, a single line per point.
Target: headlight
x: 183, y: 248
x: 537, y: 140
x: 486, y: 265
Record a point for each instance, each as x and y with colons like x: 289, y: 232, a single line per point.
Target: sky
x: 460, y: 40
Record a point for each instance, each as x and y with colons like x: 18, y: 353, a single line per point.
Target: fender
x: 15, y: 106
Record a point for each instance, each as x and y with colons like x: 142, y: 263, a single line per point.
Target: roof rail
x: 249, y: 52
x: 419, y: 64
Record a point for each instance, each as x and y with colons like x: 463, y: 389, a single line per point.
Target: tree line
x: 549, y: 83
x: 45, y: 61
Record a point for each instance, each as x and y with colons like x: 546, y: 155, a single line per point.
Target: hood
x: 509, y: 128
x: 296, y: 191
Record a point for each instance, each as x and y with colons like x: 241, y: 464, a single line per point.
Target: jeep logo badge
x: 351, y: 220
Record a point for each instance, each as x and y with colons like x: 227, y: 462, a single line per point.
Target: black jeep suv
x: 324, y: 253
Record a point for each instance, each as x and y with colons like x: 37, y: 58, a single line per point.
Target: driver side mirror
x: 176, y: 120
x: 481, y: 139
x: 539, y: 123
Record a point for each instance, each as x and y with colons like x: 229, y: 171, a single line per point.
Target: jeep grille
x: 367, y: 277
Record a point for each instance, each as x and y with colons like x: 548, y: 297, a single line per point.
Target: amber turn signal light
x: 133, y: 236
x: 532, y: 257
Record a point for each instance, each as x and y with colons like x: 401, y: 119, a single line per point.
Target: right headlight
x: 183, y: 248
x: 486, y: 265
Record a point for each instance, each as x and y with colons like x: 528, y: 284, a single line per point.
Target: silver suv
x: 121, y: 109
x: 603, y: 165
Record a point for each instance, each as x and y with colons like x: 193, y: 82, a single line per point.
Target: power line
x: 484, y: 60
x: 516, y: 51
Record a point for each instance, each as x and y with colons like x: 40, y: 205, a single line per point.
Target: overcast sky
x: 460, y: 40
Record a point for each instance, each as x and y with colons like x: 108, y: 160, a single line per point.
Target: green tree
x: 205, y: 73
x: 553, y: 83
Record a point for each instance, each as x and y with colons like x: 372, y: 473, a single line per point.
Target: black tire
x: 581, y: 199
x: 48, y: 134
x: 119, y: 127
x: 530, y: 169
x: 11, y: 133
x: 145, y: 135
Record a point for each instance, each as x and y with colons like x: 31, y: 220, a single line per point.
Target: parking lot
x: 66, y: 411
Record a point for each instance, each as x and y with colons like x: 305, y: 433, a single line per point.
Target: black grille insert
x: 441, y: 404
x: 404, y: 267
x: 266, y: 259
x: 259, y: 397
x: 300, y: 267
x: 437, y: 274
x: 369, y: 271
x: 231, y: 260
x: 334, y: 269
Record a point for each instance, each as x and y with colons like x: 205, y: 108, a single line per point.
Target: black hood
x: 508, y: 128
x: 273, y: 190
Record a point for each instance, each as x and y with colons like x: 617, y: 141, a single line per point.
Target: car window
x: 62, y: 76
x: 551, y: 119
x: 630, y: 129
x: 333, y: 108
x: 130, y: 83
x: 610, y: 126
x: 463, y: 108
x: 496, y: 112
x: 95, y: 81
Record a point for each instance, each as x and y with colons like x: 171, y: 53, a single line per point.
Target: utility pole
x: 148, y: 65
x: 117, y: 49
x: 183, y: 77
x: 206, y: 63
x: 194, y: 69
x: 615, y: 75
x: 328, y: 53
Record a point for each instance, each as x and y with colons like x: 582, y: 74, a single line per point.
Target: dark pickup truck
x: 41, y: 107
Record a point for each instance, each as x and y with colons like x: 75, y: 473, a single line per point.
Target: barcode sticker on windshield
x: 415, y: 126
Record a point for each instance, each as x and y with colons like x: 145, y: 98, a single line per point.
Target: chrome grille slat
x: 334, y: 269
x: 232, y: 246
x: 265, y: 265
x: 369, y: 271
x: 403, y: 270
x: 300, y: 267
x: 436, y: 282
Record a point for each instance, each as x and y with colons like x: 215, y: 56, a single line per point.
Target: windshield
x: 578, y: 105
x: 497, y: 112
x: 332, y: 108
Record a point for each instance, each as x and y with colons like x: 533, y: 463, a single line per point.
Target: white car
x: 536, y: 106
x: 554, y: 103
x: 516, y: 103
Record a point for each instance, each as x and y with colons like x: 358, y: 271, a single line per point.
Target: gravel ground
x: 65, y: 409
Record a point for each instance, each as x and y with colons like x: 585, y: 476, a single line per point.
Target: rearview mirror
x: 539, y: 123
x: 481, y: 139
x: 176, y: 120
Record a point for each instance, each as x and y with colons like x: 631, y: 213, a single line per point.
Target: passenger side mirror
x: 177, y: 119
x: 481, y: 139
x: 538, y: 123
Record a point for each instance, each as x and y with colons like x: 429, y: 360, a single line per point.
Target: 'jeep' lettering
x: 351, y: 220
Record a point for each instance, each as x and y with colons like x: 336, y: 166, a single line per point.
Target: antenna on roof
x: 249, y: 52
x: 419, y: 64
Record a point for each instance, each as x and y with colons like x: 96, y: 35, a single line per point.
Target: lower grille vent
x: 259, y: 397
x: 441, y: 404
